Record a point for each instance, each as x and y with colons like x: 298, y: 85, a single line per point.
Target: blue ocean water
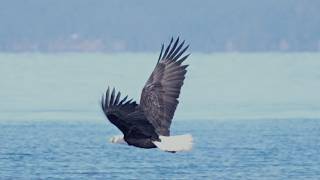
x: 253, y: 116
x: 232, y: 149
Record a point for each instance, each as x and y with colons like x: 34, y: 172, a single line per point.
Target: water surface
x: 253, y: 116
x: 245, y: 149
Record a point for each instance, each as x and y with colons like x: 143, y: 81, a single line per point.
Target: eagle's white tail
x: 175, y: 143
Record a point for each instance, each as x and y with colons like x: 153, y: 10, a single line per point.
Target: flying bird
x: 147, y: 125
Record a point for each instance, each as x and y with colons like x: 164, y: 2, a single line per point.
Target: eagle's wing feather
x: 126, y: 115
x: 160, y: 94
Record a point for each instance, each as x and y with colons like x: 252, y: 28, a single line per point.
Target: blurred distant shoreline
x: 128, y: 26
x: 99, y: 46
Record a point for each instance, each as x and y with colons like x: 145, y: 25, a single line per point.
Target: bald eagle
x: 147, y: 125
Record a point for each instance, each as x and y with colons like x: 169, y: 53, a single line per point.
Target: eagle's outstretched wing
x: 126, y: 115
x: 160, y: 94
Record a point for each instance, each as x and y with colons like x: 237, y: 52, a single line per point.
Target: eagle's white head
x: 118, y: 139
